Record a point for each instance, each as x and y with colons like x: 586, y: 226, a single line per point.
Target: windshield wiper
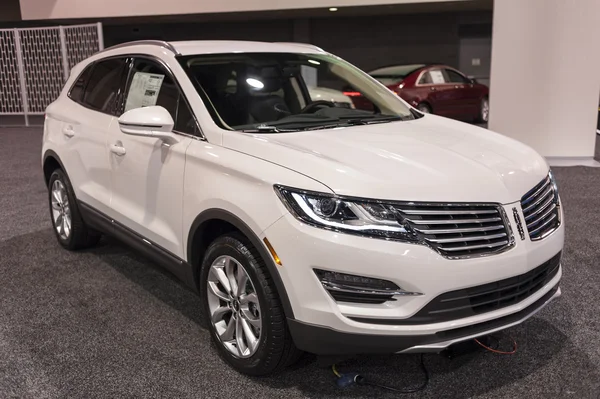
x: 371, y: 120
x: 268, y: 129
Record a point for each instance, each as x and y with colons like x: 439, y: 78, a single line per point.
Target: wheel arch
x: 51, y: 162
x: 214, y: 222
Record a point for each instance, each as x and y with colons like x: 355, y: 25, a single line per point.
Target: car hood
x: 428, y: 159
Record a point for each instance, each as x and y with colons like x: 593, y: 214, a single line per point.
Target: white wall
x: 545, y: 75
x: 56, y: 9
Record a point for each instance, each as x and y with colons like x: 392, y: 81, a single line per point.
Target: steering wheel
x: 315, y: 105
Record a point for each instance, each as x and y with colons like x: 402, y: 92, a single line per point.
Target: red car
x: 437, y: 89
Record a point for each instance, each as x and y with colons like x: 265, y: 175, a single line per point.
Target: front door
x: 467, y: 97
x: 147, y: 174
x: 440, y: 94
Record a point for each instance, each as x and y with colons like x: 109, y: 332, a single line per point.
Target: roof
x: 193, y: 47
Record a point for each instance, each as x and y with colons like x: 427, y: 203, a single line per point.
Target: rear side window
x: 104, y: 85
x: 76, y: 92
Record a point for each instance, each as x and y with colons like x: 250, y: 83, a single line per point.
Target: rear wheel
x: 242, y: 308
x: 69, y: 227
x: 484, y: 111
x: 424, y: 108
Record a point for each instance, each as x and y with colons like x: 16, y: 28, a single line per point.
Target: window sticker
x: 437, y: 77
x: 144, y: 90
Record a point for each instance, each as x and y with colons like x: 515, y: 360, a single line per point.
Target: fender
x: 54, y: 155
x: 232, y: 219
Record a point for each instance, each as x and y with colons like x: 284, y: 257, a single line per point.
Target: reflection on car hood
x: 428, y: 159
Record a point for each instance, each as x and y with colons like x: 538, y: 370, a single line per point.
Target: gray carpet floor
x: 107, y: 323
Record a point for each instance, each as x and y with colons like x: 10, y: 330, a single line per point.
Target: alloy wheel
x: 234, y: 307
x: 61, y: 211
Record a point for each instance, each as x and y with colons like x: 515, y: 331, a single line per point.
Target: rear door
x: 85, y: 130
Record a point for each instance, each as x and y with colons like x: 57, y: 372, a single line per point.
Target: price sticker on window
x: 437, y: 77
x: 144, y: 90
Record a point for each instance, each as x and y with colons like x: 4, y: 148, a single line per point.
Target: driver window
x: 150, y: 84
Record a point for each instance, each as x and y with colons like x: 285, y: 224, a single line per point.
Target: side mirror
x: 154, y: 121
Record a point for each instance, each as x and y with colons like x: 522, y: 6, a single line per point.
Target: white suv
x: 304, y: 226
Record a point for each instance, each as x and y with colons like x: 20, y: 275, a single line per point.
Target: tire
x: 274, y: 348
x: 77, y: 235
x: 484, y: 111
x: 424, y: 108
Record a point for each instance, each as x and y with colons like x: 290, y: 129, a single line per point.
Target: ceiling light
x: 332, y: 9
x: 257, y: 84
x: 314, y: 62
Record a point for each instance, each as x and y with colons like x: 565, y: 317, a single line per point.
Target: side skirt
x: 101, y: 222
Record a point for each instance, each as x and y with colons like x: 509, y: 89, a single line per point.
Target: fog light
x: 359, y: 289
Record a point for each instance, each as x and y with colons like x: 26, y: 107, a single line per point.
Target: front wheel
x: 242, y: 308
x: 424, y: 108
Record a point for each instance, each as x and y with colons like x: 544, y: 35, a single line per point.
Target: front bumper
x: 327, y: 341
x: 322, y: 325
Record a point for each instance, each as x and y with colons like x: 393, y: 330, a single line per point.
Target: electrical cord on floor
x: 496, y: 350
x: 347, y: 379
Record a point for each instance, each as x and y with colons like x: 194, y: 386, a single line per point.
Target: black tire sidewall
x: 236, y: 248
x: 424, y: 108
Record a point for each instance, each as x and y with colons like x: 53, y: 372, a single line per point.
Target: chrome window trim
x: 417, y: 84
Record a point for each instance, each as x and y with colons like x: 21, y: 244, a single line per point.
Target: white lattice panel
x: 82, y: 42
x: 10, y: 89
x: 46, y: 58
x: 43, y: 64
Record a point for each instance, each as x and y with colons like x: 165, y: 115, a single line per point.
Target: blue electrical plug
x: 345, y: 380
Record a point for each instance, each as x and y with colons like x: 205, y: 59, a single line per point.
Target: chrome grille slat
x: 466, y: 230
x: 542, y: 217
x: 464, y: 239
x: 466, y: 247
x: 546, y: 192
x: 526, y: 198
x: 457, y: 230
x: 533, y: 232
x: 449, y: 212
x: 454, y: 221
x: 541, y: 209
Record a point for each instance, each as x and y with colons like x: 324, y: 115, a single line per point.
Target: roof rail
x: 160, y: 43
x: 307, y: 45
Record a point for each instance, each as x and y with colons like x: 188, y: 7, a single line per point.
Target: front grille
x: 458, y: 230
x: 541, y: 210
x: 480, y: 299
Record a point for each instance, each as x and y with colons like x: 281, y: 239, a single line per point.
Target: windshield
x: 276, y: 92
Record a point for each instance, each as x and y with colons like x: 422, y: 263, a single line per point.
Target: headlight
x: 357, y: 216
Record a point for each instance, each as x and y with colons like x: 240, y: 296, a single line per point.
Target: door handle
x: 118, y: 149
x: 68, y: 131
x: 432, y: 88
